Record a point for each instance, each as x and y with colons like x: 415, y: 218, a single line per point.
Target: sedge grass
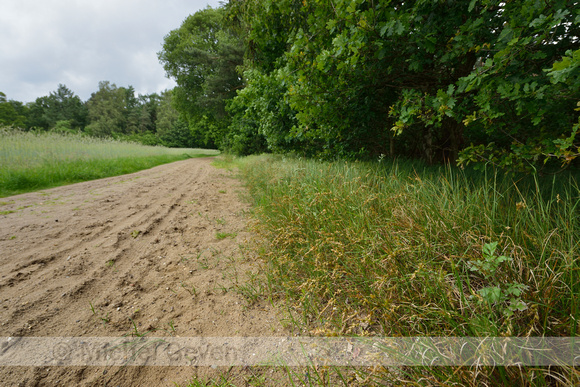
x: 32, y: 161
x: 389, y: 249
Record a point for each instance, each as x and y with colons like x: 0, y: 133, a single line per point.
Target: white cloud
x: 79, y: 43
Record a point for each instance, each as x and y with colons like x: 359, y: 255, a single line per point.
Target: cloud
x: 79, y: 43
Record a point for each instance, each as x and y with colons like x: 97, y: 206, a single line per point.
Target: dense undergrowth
x: 402, y: 249
x: 31, y: 161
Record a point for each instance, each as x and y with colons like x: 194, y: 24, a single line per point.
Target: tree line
x: 485, y: 81
x: 463, y: 81
x: 110, y: 112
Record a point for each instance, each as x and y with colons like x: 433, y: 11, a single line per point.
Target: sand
x: 161, y: 251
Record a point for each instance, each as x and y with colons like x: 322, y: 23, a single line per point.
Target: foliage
x: 109, y: 110
x: 202, y: 56
x: 178, y: 136
x: 207, y: 131
x: 11, y: 112
x: 479, y: 81
x: 260, y: 116
x: 61, y: 105
x: 167, y: 117
x: 497, y: 295
x: 467, y: 81
x: 520, y: 90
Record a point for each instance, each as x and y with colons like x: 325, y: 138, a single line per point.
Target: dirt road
x: 160, y: 248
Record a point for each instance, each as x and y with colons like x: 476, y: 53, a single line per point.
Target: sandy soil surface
x: 162, y: 248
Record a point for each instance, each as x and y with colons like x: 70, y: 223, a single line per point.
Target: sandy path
x: 133, y: 247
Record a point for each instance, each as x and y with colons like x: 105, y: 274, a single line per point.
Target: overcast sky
x: 82, y: 42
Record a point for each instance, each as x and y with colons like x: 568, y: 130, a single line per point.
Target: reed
x: 31, y: 161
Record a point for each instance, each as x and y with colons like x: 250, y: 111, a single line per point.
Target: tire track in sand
x: 134, y: 247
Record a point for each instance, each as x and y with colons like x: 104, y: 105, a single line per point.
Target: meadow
x: 31, y: 161
x: 402, y: 249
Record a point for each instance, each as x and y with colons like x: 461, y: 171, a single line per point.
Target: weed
x: 171, y: 326
x: 135, y: 332
x: 135, y: 346
x: 222, y: 382
x: 222, y: 191
x: 220, y: 221
x: 252, y: 289
x: 222, y: 288
x: 12, y: 237
x: 135, y: 233
x: 224, y: 235
x: 184, y: 259
x: 204, y: 216
x: 497, y: 294
x: 104, y: 318
x: 226, y: 161
x: 190, y: 288
x: 6, y: 212
x: 202, y: 261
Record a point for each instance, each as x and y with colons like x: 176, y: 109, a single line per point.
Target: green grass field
x: 402, y: 249
x: 33, y: 161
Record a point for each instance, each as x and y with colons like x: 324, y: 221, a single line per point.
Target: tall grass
x: 401, y: 249
x: 31, y: 161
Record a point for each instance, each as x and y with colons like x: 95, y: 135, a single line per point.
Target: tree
x: 526, y: 90
x: 107, y: 110
x: 202, y: 56
x: 149, y: 106
x: 61, y: 105
x: 261, y: 119
x: 479, y: 80
x: 12, y: 113
x: 172, y: 130
x: 131, y: 111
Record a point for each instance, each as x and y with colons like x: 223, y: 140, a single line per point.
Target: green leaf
x: 471, y: 5
x: 538, y: 21
x: 506, y: 33
x: 387, y: 27
x: 520, y: 306
x: 331, y: 25
x: 561, y: 14
x: 400, y: 28
x: 489, y: 249
x: 562, y: 65
x: 491, y: 294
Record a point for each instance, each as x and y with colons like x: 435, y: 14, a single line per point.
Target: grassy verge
x: 401, y: 249
x: 33, y: 161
